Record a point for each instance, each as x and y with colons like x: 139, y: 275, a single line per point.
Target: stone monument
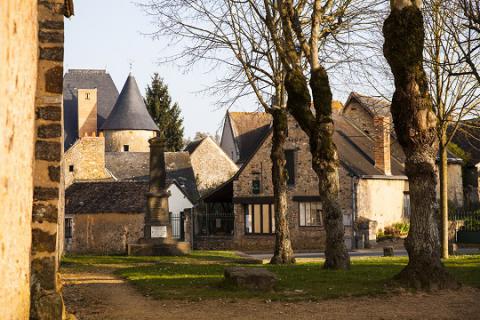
x: 157, y: 238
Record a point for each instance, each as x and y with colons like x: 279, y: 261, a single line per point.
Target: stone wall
x: 137, y: 140
x: 87, y: 112
x: 18, y: 72
x: 211, y: 165
x: 85, y: 160
x: 455, y: 184
x: 306, y: 184
x: 47, y: 215
x: 105, y: 233
x: 362, y: 119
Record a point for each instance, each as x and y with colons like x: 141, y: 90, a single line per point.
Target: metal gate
x: 467, y: 226
x: 178, y: 229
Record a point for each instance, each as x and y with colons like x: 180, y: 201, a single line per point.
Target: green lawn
x: 199, y: 276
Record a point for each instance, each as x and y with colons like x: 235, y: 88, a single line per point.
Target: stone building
x: 86, y: 93
x: 129, y: 125
x: 102, y: 217
x: 362, y: 110
x: 373, y: 187
x: 31, y: 153
x: 210, y: 164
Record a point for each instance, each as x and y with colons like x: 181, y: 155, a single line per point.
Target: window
x: 256, y: 186
x: 70, y: 168
x: 259, y: 219
x: 87, y: 96
x: 310, y: 214
x: 290, y: 166
x: 406, y: 205
x: 126, y: 147
x: 68, y: 228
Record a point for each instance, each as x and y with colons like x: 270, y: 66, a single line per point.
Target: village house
x: 210, y: 164
x: 374, y: 190
x: 106, y: 166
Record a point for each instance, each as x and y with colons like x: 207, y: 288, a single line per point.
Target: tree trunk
x: 415, y: 126
x: 320, y: 128
x: 283, y: 253
x: 443, y: 177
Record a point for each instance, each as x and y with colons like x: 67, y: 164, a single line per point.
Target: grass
x: 199, y: 276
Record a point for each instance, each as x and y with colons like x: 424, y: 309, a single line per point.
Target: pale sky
x: 110, y: 34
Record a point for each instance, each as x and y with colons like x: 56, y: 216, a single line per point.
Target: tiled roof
x: 106, y: 197
x: 373, y: 105
x: 135, y: 166
x: 76, y: 79
x: 248, y: 129
x: 192, y: 146
x: 128, y: 166
x: 130, y: 111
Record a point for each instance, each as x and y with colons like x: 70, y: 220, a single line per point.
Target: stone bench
x: 250, y: 278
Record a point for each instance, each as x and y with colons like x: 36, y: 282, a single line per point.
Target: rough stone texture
x: 42, y: 212
x: 87, y: 156
x: 49, y: 151
x: 206, y: 174
x: 137, y: 140
x: 105, y: 233
x: 18, y: 28
x: 46, y: 244
x: 54, y: 77
x: 51, y: 113
x: 50, y: 131
x: 306, y: 184
x: 250, y: 278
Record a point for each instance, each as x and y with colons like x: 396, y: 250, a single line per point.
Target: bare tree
x: 228, y: 33
x: 416, y: 129
x: 455, y: 92
x: 304, y: 25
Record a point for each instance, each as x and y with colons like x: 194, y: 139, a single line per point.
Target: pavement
x: 312, y: 255
x: 377, y: 252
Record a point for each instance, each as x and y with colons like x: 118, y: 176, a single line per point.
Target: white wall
x: 177, y: 202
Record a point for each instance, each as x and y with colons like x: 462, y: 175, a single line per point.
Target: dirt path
x: 100, y: 295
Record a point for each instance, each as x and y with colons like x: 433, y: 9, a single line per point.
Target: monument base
x: 150, y: 247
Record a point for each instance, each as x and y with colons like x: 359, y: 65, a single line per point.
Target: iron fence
x: 466, y: 224
x: 177, y: 222
x: 216, y: 223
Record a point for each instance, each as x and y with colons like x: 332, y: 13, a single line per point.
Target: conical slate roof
x: 130, y: 112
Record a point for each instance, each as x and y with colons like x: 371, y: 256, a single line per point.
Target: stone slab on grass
x: 250, y: 278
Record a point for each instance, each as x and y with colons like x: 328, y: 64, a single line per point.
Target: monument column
x: 157, y: 219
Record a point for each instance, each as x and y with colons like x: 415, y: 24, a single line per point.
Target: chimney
x: 382, y: 144
x: 87, y: 112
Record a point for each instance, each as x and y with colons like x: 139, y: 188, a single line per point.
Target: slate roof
x: 373, y: 105
x: 106, y: 197
x: 128, y: 166
x: 179, y: 169
x: 192, y: 146
x: 248, y: 129
x: 135, y: 166
x: 107, y: 94
x: 130, y: 111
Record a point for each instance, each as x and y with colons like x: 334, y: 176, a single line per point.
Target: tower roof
x: 130, y: 112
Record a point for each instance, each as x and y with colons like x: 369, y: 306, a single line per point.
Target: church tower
x: 129, y: 126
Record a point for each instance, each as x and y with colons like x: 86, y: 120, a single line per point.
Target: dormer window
x: 126, y: 148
